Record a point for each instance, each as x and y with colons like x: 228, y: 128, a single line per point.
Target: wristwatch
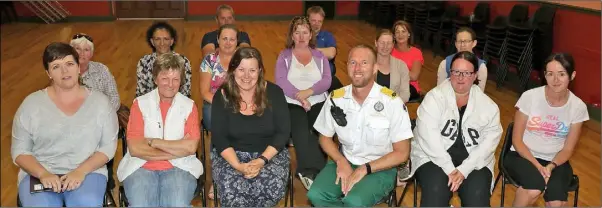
x: 265, y: 160
x: 368, y: 168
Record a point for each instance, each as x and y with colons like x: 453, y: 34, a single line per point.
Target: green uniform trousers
x: 370, y: 190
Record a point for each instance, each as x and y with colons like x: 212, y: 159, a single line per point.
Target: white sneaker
x: 306, y: 181
x: 403, y: 172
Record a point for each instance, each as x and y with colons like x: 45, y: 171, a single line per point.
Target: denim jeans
x: 160, y: 188
x: 207, y: 115
x: 89, y: 194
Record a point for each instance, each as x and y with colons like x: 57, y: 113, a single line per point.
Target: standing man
x: 224, y: 15
x: 374, y: 129
x: 325, y: 42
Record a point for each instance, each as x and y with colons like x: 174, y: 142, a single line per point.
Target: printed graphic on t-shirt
x: 548, y: 127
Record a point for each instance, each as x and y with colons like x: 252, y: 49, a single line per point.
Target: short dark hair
x: 470, y: 57
x: 161, y: 25
x: 565, y: 60
x: 57, y: 50
x: 469, y: 30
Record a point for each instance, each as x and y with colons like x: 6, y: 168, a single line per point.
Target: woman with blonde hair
x: 160, y: 168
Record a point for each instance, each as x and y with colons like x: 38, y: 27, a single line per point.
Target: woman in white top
x: 465, y: 41
x: 160, y: 168
x: 547, y: 125
x: 457, y: 131
x: 303, y: 73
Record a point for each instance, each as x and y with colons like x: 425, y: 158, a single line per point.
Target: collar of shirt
x: 374, y: 92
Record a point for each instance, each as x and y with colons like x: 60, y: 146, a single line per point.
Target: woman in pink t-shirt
x: 412, y: 56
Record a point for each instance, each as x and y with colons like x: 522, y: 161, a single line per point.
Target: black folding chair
x: 507, y: 179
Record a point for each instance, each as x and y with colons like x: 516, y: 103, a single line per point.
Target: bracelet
x: 368, y: 169
x: 265, y: 160
x: 553, y: 163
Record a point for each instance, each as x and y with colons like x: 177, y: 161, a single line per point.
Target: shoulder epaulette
x: 388, y: 92
x: 338, y: 93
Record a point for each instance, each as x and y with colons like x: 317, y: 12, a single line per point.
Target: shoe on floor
x: 403, y: 173
x: 307, y: 179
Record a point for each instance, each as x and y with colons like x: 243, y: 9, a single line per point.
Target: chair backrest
x: 451, y: 11
x: 506, y: 145
x: 543, y: 19
x: 481, y: 12
x: 519, y: 14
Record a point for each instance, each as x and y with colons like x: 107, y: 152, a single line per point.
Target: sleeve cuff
x: 465, y: 170
x: 324, y: 131
x: 109, y: 149
x: 448, y: 168
x: 404, y: 136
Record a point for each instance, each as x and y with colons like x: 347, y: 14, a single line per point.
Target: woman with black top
x: 457, y: 131
x: 251, y: 126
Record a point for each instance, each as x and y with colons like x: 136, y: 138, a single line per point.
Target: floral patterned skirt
x: 265, y: 190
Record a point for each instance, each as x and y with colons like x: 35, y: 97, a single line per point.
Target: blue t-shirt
x: 325, y: 39
x: 211, y: 37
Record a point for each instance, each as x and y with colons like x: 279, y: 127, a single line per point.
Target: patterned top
x: 144, y: 73
x: 211, y: 64
x: 99, y: 78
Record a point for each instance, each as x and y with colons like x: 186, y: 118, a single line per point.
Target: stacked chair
x: 521, y: 45
x: 518, y: 17
x: 440, y: 29
x: 495, y: 36
x: 400, y: 8
x: 385, y: 14
x: 430, y: 9
x: 478, y: 23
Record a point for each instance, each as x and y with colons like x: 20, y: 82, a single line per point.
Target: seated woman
x: 457, y: 131
x: 409, y: 54
x: 162, y: 38
x: 392, y: 73
x: 303, y: 73
x: 466, y: 40
x: 160, y: 167
x: 62, y: 137
x: 251, y: 126
x: 540, y: 153
x: 214, y: 67
x: 96, y: 76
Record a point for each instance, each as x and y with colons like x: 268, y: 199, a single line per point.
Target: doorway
x: 150, y: 9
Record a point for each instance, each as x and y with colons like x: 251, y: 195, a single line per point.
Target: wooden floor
x: 121, y: 44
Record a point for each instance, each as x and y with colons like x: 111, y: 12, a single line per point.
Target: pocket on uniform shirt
x: 377, y: 131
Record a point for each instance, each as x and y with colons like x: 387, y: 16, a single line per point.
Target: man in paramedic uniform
x: 373, y: 128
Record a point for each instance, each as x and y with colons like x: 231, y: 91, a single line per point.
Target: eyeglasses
x: 80, y: 35
x: 463, y: 42
x: 461, y: 74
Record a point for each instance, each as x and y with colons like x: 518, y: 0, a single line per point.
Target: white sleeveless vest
x: 172, y: 129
